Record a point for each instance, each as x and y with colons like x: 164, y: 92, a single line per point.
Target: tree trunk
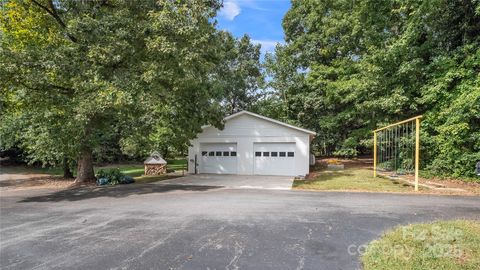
x: 85, y: 166
x: 67, y: 173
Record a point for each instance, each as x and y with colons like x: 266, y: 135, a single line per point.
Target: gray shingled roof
x: 155, y: 158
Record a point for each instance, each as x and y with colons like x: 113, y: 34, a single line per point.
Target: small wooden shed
x: 155, y: 164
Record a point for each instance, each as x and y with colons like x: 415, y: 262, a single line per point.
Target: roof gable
x: 235, y: 115
x: 155, y: 158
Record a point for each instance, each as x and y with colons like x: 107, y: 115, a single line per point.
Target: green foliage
x: 113, y: 78
x: 348, y: 149
x: 76, y: 76
x: 112, y: 177
x: 453, y: 122
x: 239, y: 73
x: 349, y: 67
x: 346, y: 152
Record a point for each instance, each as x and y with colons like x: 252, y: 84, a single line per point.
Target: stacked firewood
x: 155, y: 169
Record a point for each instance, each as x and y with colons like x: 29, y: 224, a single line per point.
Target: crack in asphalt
x: 236, y: 256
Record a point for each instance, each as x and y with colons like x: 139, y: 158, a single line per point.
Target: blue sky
x: 260, y: 19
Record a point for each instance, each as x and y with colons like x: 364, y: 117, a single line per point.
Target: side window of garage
x: 219, y: 153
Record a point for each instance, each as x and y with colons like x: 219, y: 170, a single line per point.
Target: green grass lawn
x: 133, y: 170
x: 438, y: 245
x: 137, y: 170
x: 351, y: 179
x: 177, y: 164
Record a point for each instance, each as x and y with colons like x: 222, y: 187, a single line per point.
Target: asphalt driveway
x: 204, y: 227
x: 234, y: 181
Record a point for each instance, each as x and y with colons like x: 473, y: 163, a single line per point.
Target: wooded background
x: 103, y: 81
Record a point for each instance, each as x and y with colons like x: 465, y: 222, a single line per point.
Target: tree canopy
x: 239, y: 73
x: 91, y: 80
x: 350, y: 66
x: 77, y: 75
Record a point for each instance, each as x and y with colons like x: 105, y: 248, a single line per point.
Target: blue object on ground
x: 102, y: 181
x: 127, y: 180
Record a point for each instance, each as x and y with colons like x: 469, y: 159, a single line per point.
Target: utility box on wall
x: 155, y: 164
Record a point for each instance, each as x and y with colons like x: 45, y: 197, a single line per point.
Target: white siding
x: 245, y: 130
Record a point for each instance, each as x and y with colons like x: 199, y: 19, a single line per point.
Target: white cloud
x: 252, y: 4
x: 230, y: 10
x: 267, y: 45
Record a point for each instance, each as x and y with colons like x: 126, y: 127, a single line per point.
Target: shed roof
x: 155, y: 158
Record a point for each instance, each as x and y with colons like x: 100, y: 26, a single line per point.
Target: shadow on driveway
x: 83, y: 193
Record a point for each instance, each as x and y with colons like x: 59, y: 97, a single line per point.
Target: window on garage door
x: 271, y: 154
x: 274, y: 158
x: 218, y: 158
x: 219, y: 153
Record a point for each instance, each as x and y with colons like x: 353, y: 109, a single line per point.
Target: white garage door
x: 218, y: 158
x: 274, y: 158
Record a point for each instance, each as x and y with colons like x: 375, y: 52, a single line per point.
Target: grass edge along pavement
x: 351, y: 179
x: 358, y: 177
x: 438, y: 245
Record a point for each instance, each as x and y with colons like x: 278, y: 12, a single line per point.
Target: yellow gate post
x: 374, y: 154
x: 417, y: 145
x: 417, y: 151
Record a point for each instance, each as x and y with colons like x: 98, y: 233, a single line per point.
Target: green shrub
x: 346, y: 152
x: 112, y: 177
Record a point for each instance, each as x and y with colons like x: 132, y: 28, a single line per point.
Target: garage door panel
x: 219, y: 158
x: 274, y: 158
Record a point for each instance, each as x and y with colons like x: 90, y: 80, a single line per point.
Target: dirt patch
x: 349, y: 163
x: 322, y: 163
x: 32, y: 181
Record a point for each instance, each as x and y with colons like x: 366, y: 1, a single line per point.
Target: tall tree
x: 239, y: 74
x: 350, y: 66
x: 72, y: 68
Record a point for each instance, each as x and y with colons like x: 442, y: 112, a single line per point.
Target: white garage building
x: 251, y: 144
